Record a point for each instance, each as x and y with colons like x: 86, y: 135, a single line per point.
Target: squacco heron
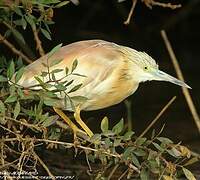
x: 111, y: 73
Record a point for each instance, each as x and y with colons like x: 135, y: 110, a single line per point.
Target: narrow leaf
x: 46, y: 33
x: 74, y: 65
x: 79, y: 98
x: 11, y: 70
x: 30, y: 20
x: 54, y: 50
x: 118, y: 127
x: 127, y: 136
x: 104, y: 124
x: 19, y: 74
x: 55, y: 62
x: 62, y: 4
x: 11, y: 99
x: 3, y: 79
x: 2, y: 108
x: 75, y: 88
x: 18, y: 35
x: 56, y: 71
x: 188, y: 174
x: 16, y: 110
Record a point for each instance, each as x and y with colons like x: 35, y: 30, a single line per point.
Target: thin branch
x: 44, y: 166
x: 166, y: 5
x: 14, y: 50
x: 158, y: 116
x: 180, y: 76
x: 150, y: 3
x: 130, y: 12
x: 113, y: 171
x: 38, y: 42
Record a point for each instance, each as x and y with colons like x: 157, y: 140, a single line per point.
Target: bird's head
x: 147, y: 69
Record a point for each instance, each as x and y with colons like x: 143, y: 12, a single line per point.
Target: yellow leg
x: 81, y: 123
x: 68, y: 121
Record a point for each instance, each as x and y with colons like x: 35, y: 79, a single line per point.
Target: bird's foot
x: 81, y: 123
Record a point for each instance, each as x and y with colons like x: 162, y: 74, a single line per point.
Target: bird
x: 107, y: 74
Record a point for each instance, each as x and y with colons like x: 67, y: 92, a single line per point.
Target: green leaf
x: 104, y: 124
x: 12, y: 89
x: 50, y: 120
x: 75, y: 88
x: 39, y: 80
x: 62, y: 4
x: 127, y: 153
x: 44, y: 74
x: 2, y: 108
x: 18, y: 11
x: 118, y: 127
x: 140, y: 141
x: 11, y: 98
x: 127, y: 136
x: 165, y: 140
x: 158, y: 147
x: 140, y: 152
x: 17, y: 110
x: 46, y: 33
x: 74, y: 65
x: 60, y: 87
x: 19, y: 74
x: 117, y: 142
x: 188, y: 174
x: 18, y: 35
x: 174, y: 152
x: 144, y: 175
x: 56, y: 71
x: 20, y: 93
x: 55, y: 62
x: 30, y: 20
x: 54, y: 50
x: 11, y: 70
x: 18, y: 22
x: 66, y: 70
x: 68, y: 83
x: 3, y: 79
x: 191, y: 161
x: 135, y: 160
x: 24, y: 23
x: 79, y: 98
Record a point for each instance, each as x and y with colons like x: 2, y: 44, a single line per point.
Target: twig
x: 14, y: 50
x: 158, y: 116
x: 180, y: 76
x: 123, y: 174
x: 44, y: 166
x: 25, y: 124
x: 38, y: 42
x: 150, y: 3
x: 130, y: 12
x: 113, y: 171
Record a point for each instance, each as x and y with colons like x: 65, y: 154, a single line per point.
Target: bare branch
x: 14, y: 50
x: 130, y: 12
x: 180, y: 76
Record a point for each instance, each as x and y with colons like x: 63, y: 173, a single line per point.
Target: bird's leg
x: 81, y: 123
x: 69, y: 122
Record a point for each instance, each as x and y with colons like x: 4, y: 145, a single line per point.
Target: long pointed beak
x: 162, y: 76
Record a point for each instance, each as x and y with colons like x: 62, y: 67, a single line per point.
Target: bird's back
x: 103, y: 64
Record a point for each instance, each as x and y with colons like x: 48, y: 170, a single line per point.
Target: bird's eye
x: 145, y: 67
